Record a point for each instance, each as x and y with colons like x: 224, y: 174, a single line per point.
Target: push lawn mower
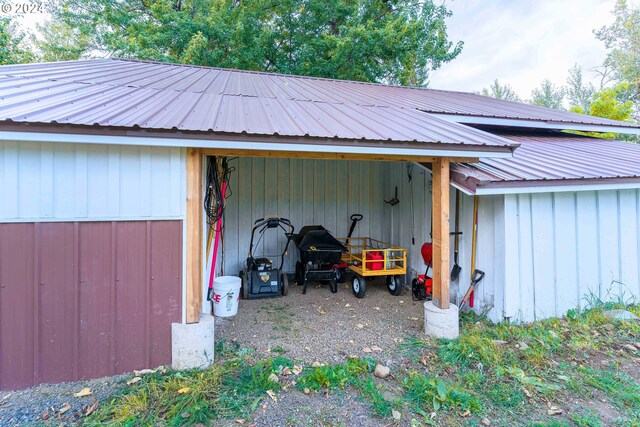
x: 259, y: 278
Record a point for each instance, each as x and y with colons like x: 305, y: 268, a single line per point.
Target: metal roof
x: 113, y: 93
x: 557, y: 158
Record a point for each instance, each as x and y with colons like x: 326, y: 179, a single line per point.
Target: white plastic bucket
x: 226, y: 293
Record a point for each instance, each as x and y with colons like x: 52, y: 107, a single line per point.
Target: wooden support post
x: 440, y: 212
x: 194, y: 235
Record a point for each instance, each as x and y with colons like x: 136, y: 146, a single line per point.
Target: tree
x: 548, y: 95
x: 390, y: 41
x: 622, y: 39
x: 13, y: 47
x: 59, y: 42
x: 579, y: 93
x: 499, y: 91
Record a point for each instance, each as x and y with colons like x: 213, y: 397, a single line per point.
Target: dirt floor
x: 325, y: 327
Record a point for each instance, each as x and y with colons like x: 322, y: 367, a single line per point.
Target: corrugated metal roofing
x: 158, y: 96
x: 553, y: 156
x: 206, y: 84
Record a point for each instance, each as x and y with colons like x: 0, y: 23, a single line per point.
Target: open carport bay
x: 324, y: 327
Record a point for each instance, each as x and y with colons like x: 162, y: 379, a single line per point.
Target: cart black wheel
x: 284, y: 283
x: 299, y: 274
x: 341, y: 275
x: 333, y: 285
x: 244, y: 285
x: 394, y: 285
x: 358, y: 286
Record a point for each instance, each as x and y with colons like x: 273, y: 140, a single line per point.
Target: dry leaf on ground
x: 133, y: 380
x: 82, y: 393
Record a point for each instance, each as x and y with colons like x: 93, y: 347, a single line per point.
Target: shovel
x: 455, y: 271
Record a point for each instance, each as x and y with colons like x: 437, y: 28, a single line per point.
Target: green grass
x: 507, y: 372
x: 355, y: 373
x: 232, y: 389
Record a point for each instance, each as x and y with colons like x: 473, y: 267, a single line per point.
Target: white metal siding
x: 563, y: 247
x: 308, y: 192
x: 490, y: 251
x: 75, y: 182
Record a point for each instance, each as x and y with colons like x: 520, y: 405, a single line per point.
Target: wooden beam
x: 440, y: 198
x: 194, y: 235
x: 328, y: 155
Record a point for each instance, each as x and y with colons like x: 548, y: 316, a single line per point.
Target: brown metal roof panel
x: 555, y: 157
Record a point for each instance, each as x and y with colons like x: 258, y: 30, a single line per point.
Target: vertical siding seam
x: 577, y: 245
x: 113, y: 298
x: 637, y: 194
x: 147, y: 295
x: 598, y: 243
x: 533, y: 263
x: 619, y: 241
x: 519, y: 243
x: 76, y: 298
x: 36, y: 303
x: 555, y: 254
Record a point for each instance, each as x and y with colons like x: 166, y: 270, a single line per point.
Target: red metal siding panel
x: 96, y: 309
x: 165, y: 288
x: 131, y: 279
x: 56, y: 301
x: 16, y: 305
x: 105, y: 296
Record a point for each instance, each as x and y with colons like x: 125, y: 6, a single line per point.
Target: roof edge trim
x: 537, y: 124
x: 80, y: 138
x: 557, y: 186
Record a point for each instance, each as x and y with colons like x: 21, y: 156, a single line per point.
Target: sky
x: 521, y: 42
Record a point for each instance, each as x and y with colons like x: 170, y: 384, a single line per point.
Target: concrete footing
x: 441, y: 323
x: 192, y: 344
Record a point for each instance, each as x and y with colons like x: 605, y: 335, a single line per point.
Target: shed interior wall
x: 327, y: 192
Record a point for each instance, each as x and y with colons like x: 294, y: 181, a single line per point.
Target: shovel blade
x: 455, y: 272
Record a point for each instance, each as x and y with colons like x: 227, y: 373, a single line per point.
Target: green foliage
x: 396, y: 41
x: 335, y: 376
x: 622, y: 39
x: 355, y: 373
x: 500, y: 91
x: 586, y: 419
x: 58, y: 41
x: 13, y: 47
x: 622, y: 390
x: 471, y: 349
x: 190, y: 397
x: 434, y: 394
x: 579, y: 93
x: 548, y: 95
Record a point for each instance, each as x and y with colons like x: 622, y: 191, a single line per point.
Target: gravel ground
x: 43, y: 404
x: 325, y: 327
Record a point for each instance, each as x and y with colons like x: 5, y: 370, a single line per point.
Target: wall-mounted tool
x: 393, y: 201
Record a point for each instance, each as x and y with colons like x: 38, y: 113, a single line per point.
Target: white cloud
x: 522, y: 42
